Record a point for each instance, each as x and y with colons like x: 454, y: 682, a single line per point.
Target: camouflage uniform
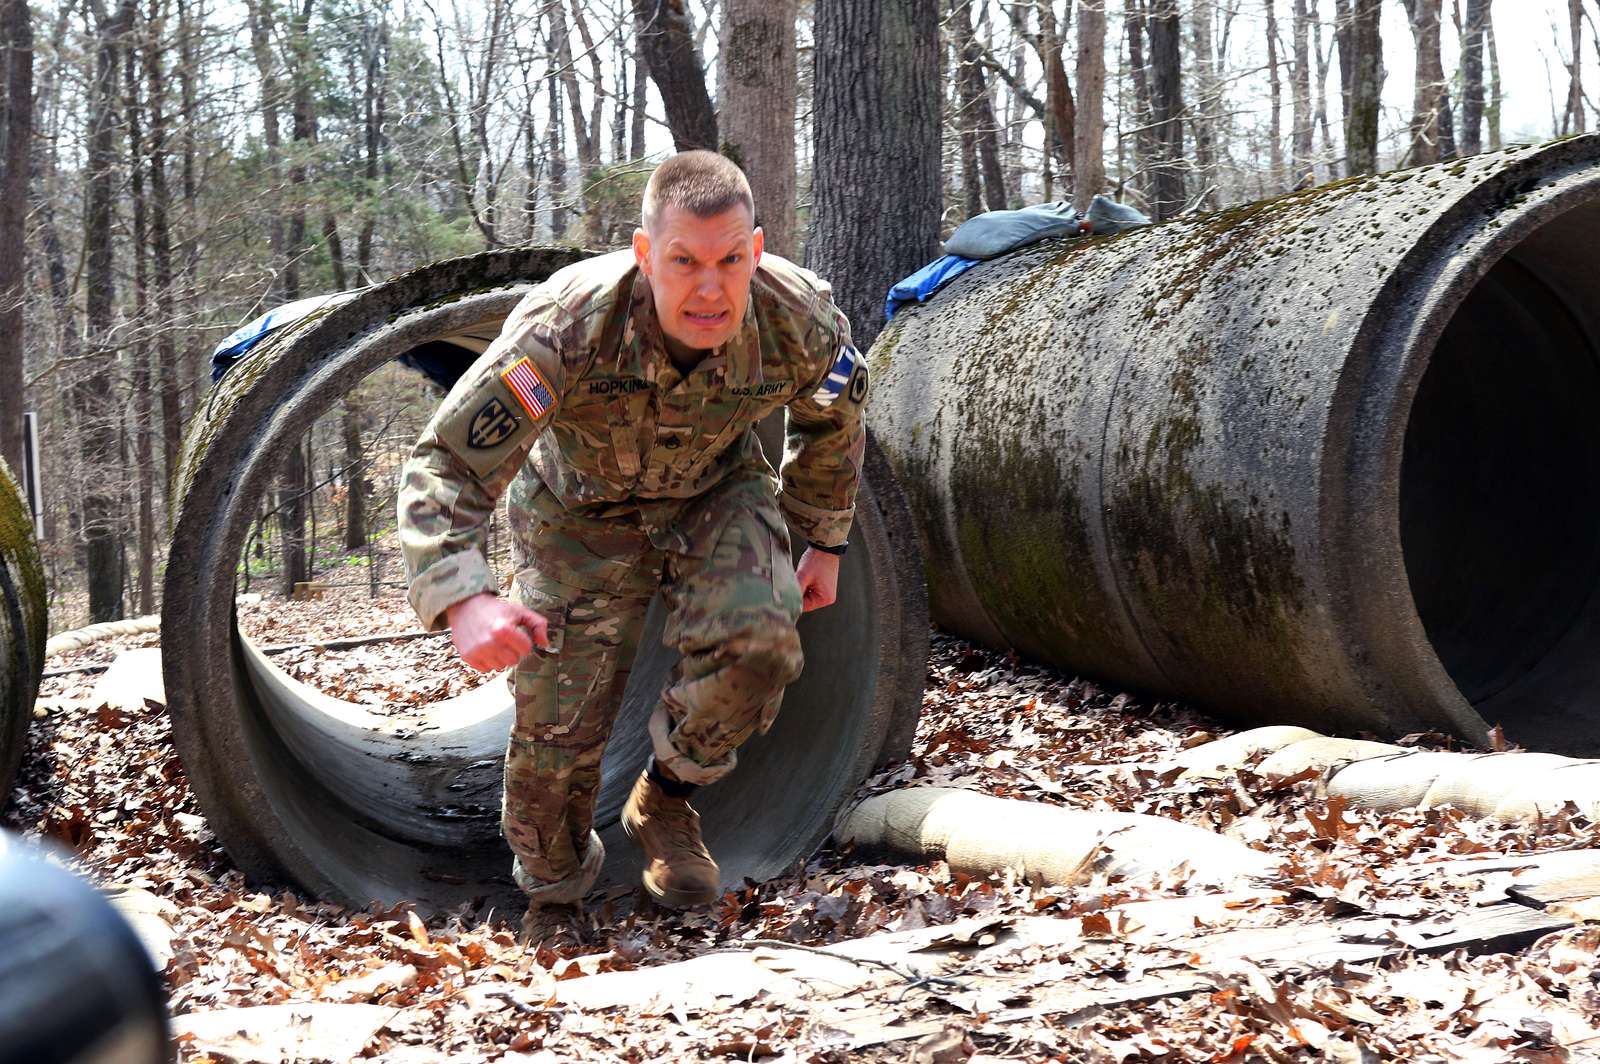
x: 647, y: 479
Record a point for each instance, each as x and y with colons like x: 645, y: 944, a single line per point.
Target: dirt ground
x: 104, y: 785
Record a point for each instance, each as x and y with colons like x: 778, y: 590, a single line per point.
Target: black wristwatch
x: 836, y: 551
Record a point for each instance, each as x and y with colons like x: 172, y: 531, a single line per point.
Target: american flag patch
x: 529, y: 388
x: 838, y: 376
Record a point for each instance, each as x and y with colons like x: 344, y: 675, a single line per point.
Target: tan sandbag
x: 1234, y: 751
x: 1478, y: 784
x: 979, y: 834
x: 78, y: 638
x: 1397, y: 781
x: 1578, y: 783
x: 1323, y: 753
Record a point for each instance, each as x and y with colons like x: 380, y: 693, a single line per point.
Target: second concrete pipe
x: 1330, y: 459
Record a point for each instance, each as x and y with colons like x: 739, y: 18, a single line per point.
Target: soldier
x: 617, y: 406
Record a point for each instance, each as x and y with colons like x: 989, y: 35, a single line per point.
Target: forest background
x: 171, y: 169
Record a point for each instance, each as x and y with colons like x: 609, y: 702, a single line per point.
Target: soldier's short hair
x: 701, y: 182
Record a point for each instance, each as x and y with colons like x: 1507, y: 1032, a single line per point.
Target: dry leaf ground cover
x: 105, y: 786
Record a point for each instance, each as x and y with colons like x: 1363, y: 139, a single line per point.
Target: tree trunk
x: 1089, y: 161
x: 1471, y: 138
x: 374, y: 99
x: 1275, y: 81
x: 1361, y: 75
x: 1209, y: 103
x: 1138, y: 73
x: 1574, y: 121
x: 1491, y: 109
x: 1166, y: 104
x: 1058, y: 90
x: 138, y: 350
x: 166, y: 366
x: 304, y: 132
x: 1427, y: 94
x: 666, y: 36
x: 355, y: 503
x: 867, y: 168
x: 641, y: 97
x: 1324, y: 64
x: 757, y: 90
x: 93, y: 396
x: 1300, y: 94
x: 16, y: 155
x: 556, y: 135
x: 261, y: 31
x: 587, y: 139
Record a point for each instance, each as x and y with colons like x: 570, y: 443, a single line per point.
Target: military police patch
x: 844, y: 367
x: 491, y: 426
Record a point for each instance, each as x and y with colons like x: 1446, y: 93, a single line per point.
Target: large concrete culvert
x: 1329, y: 459
x: 301, y: 786
x: 23, y: 627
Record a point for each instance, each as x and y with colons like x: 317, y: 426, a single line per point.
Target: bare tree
x: 16, y: 156
x: 1300, y: 94
x: 757, y: 89
x: 92, y: 394
x: 1574, y: 119
x: 1166, y: 107
x: 1275, y: 82
x: 983, y: 176
x: 867, y: 169
x: 667, y: 38
x: 1428, y: 92
x: 1089, y: 162
x: 1361, y: 75
x: 1208, y: 102
x: 1472, y: 35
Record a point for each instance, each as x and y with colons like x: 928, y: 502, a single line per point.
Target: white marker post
x: 31, y: 484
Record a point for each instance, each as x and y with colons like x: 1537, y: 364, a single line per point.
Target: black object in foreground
x: 76, y: 985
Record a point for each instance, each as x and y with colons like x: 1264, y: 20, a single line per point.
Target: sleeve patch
x: 491, y: 426
x: 844, y: 367
x: 529, y: 388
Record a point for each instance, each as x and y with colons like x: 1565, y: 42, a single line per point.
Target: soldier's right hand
x: 492, y: 633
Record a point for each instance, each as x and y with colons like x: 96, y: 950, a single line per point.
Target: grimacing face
x: 699, y: 271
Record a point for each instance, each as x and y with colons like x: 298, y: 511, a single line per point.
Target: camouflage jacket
x: 583, y: 357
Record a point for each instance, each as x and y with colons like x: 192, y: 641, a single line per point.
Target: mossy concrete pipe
x: 24, y: 625
x: 1329, y: 459
x: 306, y: 788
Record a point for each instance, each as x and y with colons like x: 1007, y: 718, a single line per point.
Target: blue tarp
x: 238, y: 343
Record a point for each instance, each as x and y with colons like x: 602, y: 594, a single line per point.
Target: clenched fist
x: 492, y: 633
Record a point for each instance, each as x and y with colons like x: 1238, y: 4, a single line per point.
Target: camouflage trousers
x: 723, y: 566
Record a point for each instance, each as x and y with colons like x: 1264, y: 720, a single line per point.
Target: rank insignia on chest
x: 529, y: 388
x: 491, y: 426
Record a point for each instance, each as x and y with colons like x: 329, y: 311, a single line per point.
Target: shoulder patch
x: 847, y: 364
x: 491, y: 426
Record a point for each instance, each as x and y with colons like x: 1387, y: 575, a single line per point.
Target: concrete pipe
x: 23, y: 627
x: 302, y: 786
x: 1328, y: 459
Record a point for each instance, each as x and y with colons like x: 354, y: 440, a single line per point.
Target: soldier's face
x: 699, y: 271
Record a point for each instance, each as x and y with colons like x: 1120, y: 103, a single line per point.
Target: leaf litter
x: 105, y: 786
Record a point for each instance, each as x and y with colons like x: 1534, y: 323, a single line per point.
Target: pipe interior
x: 411, y: 811
x: 1499, y: 517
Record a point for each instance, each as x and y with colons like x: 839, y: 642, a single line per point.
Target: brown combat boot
x: 553, y: 927
x: 679, y: 873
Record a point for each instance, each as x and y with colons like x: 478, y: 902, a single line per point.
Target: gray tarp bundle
x: 995, y: 233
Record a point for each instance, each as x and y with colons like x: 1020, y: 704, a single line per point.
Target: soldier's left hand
x: 818, y: 573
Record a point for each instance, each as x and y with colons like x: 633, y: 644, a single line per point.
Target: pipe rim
x: 1396, y: 345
